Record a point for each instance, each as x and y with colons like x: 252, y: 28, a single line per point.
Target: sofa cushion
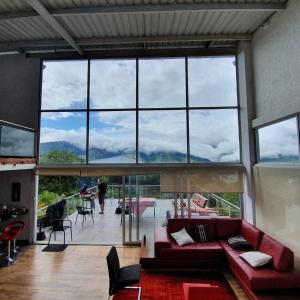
x: 206, y: 221
x: 182, y: 237
x: 239, y: 242
x: 256, y: 258
x: 283, y: 257
x: 252, y: 234
x: 200, y: 233
x: 175, y: 225
x: 194, y: 252
x: 227, y: 227
x: 261, y: 278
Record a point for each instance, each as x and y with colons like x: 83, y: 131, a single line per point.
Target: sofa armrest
x: 161, y: 240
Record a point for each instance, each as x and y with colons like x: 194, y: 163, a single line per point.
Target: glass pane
x: 16, y: 142
x: 112, y: 137
x: 212, y: 81
x: 162, y: 137
x: 113, y: 84
x: 64, y: 85
x: 214, y: 136
x: 279, y: 142
x: 162, y: 83
x: 63, y: 138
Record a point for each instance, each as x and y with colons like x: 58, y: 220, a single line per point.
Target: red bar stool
x: 8, y: 234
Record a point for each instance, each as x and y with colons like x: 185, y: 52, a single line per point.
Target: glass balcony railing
x: 153, y: 210
x: 179, y: 204
x: 16, y: 141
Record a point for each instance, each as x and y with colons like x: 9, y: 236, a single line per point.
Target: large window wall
x: 158, y: 110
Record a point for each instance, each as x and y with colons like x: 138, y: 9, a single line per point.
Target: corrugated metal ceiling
x: 134, y: 24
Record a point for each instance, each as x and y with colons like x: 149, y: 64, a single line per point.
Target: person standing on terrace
x: 102, y: 187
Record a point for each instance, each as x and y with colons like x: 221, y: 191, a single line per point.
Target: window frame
x: 137, y: 109
x: 257, y: 142
x: 19, y: 127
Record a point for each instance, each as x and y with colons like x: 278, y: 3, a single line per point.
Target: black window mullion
x: 187, y: 111
x: 88, y: 114
x: 137, y: 113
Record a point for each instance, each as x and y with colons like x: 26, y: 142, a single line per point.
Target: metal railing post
x: 137, y: 209
x: 123, y: 211
x: 175, y: 205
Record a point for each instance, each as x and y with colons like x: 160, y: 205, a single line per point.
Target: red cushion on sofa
x: 210, y: 225
x: 227, y: 227
x: 252, y: 234
x: 175, y: 225
x: 283, y: 257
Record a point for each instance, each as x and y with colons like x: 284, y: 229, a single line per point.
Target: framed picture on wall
x: 15, y: 191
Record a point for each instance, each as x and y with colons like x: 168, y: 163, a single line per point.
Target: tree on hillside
x: 61, y: 157
x: 61, y: 185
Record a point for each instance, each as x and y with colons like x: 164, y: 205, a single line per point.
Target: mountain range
x: 96, y: 154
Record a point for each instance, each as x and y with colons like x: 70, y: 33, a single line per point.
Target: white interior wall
x: 26, y: 178
x: 276, y: 65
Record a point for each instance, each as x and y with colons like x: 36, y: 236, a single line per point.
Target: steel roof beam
x: 120, y: 40
x: 150, y: 8
x: 43, y: 12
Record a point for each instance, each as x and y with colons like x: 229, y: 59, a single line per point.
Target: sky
x: 212, y: 82
x: 280, y: 138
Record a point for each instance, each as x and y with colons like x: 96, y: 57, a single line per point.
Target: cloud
x: 279, y: 139
x: 16, y: 142
x: 212, y: 81
x: 157, y: 81
x: 213, y: 134
x: 64, y: 85
x: 75, y: 137
x: 57, y: 115
x: 113, y: 84
x: 162, y: 131
x: 113, y: 131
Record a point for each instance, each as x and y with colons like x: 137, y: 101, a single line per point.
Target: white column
x: 247, y: 114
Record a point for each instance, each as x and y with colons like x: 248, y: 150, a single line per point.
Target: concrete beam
x: 130, y: 40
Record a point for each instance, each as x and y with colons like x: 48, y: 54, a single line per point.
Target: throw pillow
x: 182, y: 237
x: 238, y: 242
x: 256, y: 258
x: 200, y: 233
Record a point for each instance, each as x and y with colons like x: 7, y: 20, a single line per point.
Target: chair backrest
x: 113, y: 265
x: 55, y: 211
x: 80, y: 209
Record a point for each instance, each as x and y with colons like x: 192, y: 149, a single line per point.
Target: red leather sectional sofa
x: 280, y: 274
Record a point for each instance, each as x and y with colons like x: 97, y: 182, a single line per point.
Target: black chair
x: 55, y: 218
x: 81, y: 210
x: 120, y: 278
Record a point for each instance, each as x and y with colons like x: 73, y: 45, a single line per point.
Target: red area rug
x: 169, y: 286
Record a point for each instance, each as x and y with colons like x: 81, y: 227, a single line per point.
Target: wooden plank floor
x: 79, y: 272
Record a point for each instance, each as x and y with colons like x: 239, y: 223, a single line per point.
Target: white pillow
x: 256, y: 258
x: 182, y: 237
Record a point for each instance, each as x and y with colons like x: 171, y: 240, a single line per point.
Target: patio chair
x: 82, y: 210
x: 120, y: 278
x: 55, y: 218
